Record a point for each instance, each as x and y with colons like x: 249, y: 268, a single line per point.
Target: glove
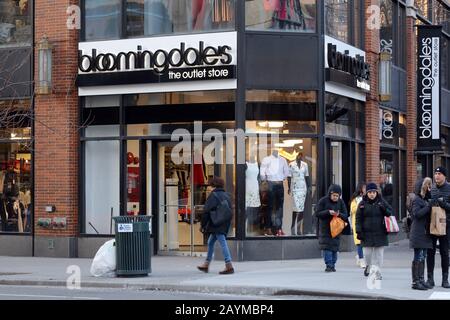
x: 359, y: 236
x: 441, y: 202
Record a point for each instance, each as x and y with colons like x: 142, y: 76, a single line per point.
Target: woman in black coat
x: 371, y: 229
x: 419, y: 238
x: 327, y: 207
x: 216, y: 232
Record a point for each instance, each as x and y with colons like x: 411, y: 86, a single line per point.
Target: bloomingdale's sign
x: 150, y: 64
x: 428, y: 88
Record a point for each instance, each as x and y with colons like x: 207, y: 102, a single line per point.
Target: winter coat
x: 419, y: 237
x: 442, y: 192
x: 326, y: 242
x: 353, y: 208
x: 370, y: 227
x: 211, y: 204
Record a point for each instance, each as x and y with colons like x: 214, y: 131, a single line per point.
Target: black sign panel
x: 149, y: 76
x: 428, y: 88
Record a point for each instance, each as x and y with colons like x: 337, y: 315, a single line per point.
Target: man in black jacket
x: 440, y: 195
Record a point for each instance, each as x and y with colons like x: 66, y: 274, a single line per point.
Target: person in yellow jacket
x: 354, y: 201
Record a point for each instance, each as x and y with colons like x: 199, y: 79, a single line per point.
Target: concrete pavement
x: 253, y: 278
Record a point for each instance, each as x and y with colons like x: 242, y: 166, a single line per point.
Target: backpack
x: 222, y: 214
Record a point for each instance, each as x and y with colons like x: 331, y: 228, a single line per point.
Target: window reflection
x: 286, y: 15
x: 102, y: 19
x: 153, y: 17
x: 15, y: 22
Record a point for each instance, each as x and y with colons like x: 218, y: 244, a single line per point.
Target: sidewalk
x: 262, y: 277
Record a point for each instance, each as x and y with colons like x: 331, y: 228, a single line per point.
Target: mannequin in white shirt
x: 274, y: 170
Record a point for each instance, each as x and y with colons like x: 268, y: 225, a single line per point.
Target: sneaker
x: 281, y: 233
x: 358, y: 261
x: 329, y: 269
x: 333, y: 269
x: 362, y: 263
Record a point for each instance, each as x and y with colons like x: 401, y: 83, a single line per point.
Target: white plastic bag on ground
x: 104, y: 263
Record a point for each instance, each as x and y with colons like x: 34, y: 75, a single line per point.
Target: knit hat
x: 371, y: 187
x: 441, y: 170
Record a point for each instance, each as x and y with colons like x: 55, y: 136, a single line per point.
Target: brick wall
x: 56, y: 121
x: 372, y: 41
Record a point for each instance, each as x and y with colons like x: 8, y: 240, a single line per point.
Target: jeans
x: 420, y: 254
x: 276, y: 201
x: 443, y: 249
x: 213, y: 237
x: 360, y: 251
x: 330, y: 258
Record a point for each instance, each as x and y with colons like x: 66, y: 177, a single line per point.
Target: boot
x: 204, y: 267
x: 228, y: 269
x: 422, y: 274
x: 415, y: 269
x: 430, y: 281
x: 445, y: 283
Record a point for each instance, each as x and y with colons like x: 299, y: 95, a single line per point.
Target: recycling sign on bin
x: 125, y: 227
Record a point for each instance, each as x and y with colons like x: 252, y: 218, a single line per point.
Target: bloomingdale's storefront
x: 185, y: 86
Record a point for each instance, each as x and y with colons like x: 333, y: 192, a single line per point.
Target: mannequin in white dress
x: 252, y: 199
x: 299, y: 185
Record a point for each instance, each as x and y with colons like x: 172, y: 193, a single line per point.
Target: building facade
x: 292, y: 80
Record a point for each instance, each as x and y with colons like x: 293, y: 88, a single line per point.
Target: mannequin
x: 252, y: 199
x: 299, y: 186
x: 275, y: 170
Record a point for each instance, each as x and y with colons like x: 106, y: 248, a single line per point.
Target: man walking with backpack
x: 216, y: 221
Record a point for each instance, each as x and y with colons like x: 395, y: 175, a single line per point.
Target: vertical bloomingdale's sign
x: 428, y: 88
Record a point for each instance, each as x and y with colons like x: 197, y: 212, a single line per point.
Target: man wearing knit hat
x: 440, y: 195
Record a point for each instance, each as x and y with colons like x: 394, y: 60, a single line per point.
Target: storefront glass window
x: 389, y: 176
x: 281, y: 111
x: 100, y: 116
x: 386, y: 38
x: 339, y: 115
x: 15, y: 187
x: 102, y: 19
x: 445, y: 61
x: 162, y: 113
x: 441, y: 15
x: 16, y: 22
x: 423, y: 7
x: 101, y: 185
x: 153, y: 17
x: 281, y: 15
x: 280, y: 186
x: 337, y: 19
x: 360, y: 120
x: 357, y: 20
x: 133, y: 179
x: 401, y: 57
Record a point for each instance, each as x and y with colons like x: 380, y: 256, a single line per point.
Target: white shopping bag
x: 104, y: 263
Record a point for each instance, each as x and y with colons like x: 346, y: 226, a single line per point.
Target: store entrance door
x: 181, y: 196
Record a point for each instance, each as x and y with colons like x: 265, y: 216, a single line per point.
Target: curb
x: 257, y: 291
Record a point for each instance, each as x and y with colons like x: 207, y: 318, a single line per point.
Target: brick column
x: 411, y: 96
x: 372, y: 48
x: 56, y: 133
